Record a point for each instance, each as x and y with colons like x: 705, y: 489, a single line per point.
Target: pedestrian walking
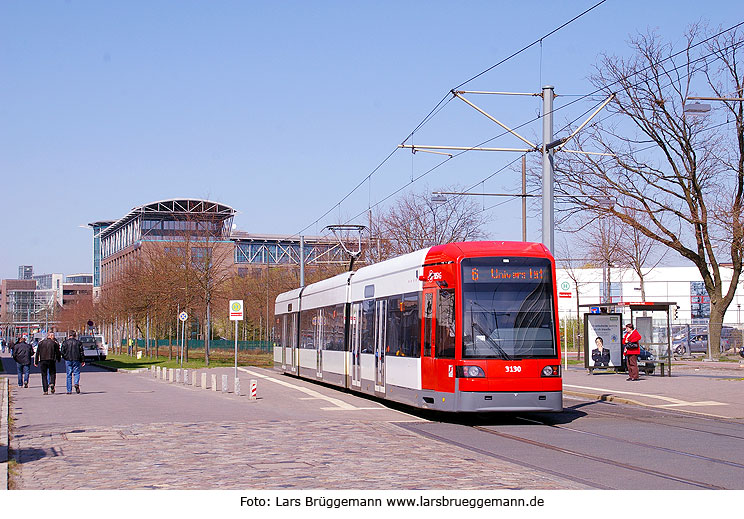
x: 631, y: 341
x: 22, y: 354
x: 47, y: 356
x: 72, y: 352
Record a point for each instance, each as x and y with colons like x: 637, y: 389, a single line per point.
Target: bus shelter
x: 604, y: 324
x: 655, y: 339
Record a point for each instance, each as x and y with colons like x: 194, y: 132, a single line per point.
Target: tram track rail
x: 428, y: 434
x: 599, y: 459
x: 690, y: 482
x: 663, y: 423
x: 668, y: 450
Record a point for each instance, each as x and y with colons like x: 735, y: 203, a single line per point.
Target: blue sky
x: 277, y: 109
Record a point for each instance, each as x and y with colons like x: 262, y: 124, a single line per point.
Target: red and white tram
x: 462, y: 327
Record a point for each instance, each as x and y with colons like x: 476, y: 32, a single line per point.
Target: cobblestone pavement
x: 263, y: 455
x: 130, y: 431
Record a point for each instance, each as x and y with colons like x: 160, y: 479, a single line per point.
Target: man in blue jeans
x: 72, y: 352
x: 22, y: 354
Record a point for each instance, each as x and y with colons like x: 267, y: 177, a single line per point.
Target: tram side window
x: 404, y: 326
x: 333, y: 328
x: 445, y: 336
x: 412, y: 322
x: 368, y: 326
x: 307, y: 329
x: 289, y: 331
x: 393, y: 341
x: 281, y: 325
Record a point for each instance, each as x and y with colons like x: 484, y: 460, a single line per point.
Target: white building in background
x: 681, y: 285
x: 51, y: 285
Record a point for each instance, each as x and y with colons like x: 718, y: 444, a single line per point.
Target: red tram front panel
x: 494, y: 330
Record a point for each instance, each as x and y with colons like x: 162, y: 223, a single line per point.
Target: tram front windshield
x: 508, y: 308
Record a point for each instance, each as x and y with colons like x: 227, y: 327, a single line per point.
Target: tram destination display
x: 506, y: 274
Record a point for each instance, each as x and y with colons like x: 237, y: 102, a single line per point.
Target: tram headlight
x: 551, y: 371
x: 470, y: 372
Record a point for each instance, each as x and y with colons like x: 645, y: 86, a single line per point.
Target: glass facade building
x: 208, y: 226
x: 97, y: 227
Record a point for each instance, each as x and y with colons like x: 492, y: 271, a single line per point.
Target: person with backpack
x: 72, y: 352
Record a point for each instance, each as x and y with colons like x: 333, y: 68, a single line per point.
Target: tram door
x: 380, y: 336
x: 284, y: 339
x: 292, y: 341
x: 356, y: 345
x: 428, y: 366
x: 318, y: 342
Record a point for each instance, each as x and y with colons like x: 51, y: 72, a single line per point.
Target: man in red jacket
x: 632, y: 340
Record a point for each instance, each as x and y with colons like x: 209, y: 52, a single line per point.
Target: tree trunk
x: 714, y: 329
x: 579, y: 346
x: 207, y: 336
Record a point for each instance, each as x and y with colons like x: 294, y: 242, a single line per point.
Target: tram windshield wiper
x: 488, y: 338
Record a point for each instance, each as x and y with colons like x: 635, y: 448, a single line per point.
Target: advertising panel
x: 603, y: 341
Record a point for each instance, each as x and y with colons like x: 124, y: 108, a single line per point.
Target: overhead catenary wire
x: 445, y: 100
x: 569, y: 124
x: 442, y: 104
x: 533, y: 120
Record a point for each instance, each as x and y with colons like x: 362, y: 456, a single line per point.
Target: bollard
x: 193, y: 380
x: 254, y: 390
x: 214, y: 382
x: 178, y: 376
x: 158, y: 373
x: 237, y: 386
x: 204, y: 381
x: 185, y: 376
x: 224, y: 383
x: 171, y: 374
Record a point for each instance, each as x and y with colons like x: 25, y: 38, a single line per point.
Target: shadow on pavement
x: 34, y: 454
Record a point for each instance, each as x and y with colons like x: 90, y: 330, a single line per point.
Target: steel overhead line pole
x: 548, y: 171
x: 524, y: 197
x: 302, y: 261
x: 548, y: 149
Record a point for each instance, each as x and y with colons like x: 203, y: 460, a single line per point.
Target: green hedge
x: 218, y: 344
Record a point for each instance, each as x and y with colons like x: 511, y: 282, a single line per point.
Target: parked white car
x: 94, y: 347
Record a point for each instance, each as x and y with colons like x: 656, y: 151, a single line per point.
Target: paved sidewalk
x: 131, y: 431
x: 4, y: 430
x: 701, y: 388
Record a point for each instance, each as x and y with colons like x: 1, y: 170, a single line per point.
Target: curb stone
x: 4, y: 431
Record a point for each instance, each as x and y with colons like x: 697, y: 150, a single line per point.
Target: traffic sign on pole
x: 183, y: 316
x: 236, y: 314
x: 236, y: 310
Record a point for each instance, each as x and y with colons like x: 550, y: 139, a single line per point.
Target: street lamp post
x: 438, y: 198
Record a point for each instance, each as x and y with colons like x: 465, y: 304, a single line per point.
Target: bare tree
x: 573, y: 266
x: 415, y: 221
x: 675, y: 179
x: 640, y: 254
x: 603, y: 245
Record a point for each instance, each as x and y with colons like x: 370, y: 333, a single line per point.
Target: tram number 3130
x: 513, y: 369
